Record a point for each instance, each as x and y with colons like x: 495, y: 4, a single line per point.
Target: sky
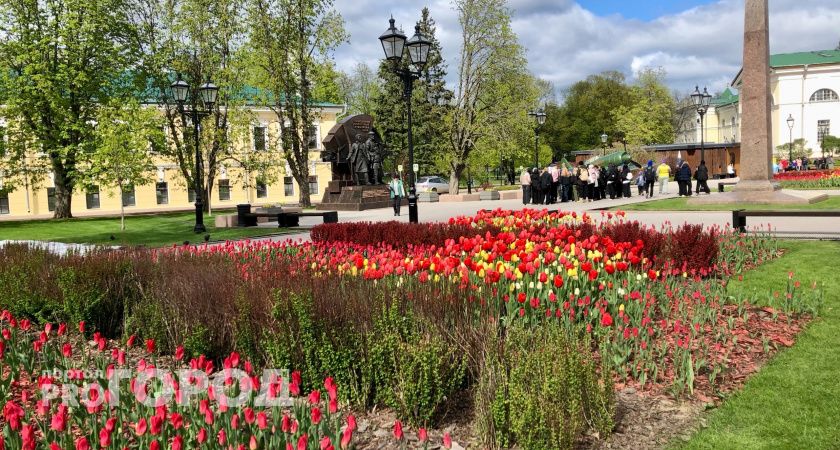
x: 697, y: 42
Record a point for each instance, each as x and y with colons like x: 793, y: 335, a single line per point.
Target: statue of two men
x: 366, y: 160
x: 359, y: 160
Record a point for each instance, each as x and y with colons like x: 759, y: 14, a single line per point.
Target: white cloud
x: 565, y: 42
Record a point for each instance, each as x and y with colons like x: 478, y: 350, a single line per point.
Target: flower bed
x: 809, y: 179
x: 413, y: 326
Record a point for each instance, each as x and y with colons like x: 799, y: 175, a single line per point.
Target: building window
x: 190, y: 195
x: 224, y: 190
x: 313, y: 185
x: 51, y: 199
x: 4, y: 202
x: 823, y: 129
x: 259, y: 139
x: 262, y: 189
x: 162, y: 193
x: 288, y: 186
x: 92, y: 197
x: 824, y: 95
x: 313, y: 137
x: 128, y: 198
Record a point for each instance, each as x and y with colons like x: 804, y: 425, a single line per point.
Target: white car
x: 433, y: 184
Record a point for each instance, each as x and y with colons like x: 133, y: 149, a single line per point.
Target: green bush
x: 540, y: 396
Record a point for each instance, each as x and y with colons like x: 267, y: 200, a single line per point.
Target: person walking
x: 555, y: 183
x: 702, y: 177
x: 730, y: 170
x: 683, y: 178
x: 397, y: 190
x: 612, y: 177
x: 525, y: 181
x: 640, y: 182
x: 650, y: 179
x: 663, y: 175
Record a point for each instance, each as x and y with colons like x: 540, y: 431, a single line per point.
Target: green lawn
x: 150, y: 230
x: 794, y: 401
x: 681, y: 204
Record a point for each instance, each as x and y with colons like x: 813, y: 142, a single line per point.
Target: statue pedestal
x: 357, y: 198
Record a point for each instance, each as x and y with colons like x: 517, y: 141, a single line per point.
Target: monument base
x: 357, y: 198
x: 764, y: 192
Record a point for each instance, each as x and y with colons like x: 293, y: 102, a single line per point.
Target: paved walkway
x: 441, y: 212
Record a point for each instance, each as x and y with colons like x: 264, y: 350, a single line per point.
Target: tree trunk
x: 303, y: 186
x: 122, y: 210
x: 455, y: 176
x: 63, y: 196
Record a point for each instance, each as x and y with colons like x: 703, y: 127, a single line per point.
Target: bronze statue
x: 359, y: 161
x: 374, y: 151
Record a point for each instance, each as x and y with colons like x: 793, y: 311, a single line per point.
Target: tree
x: 800, y: 149
x: 199, y: 40
x: 60, y: 61
x: 360, y: 89
x: 830, y: 145
x: 649, y: 120
x: 489, y: 55
x: 291, y: 41
x: 586, y: 112
x: 429, y: 103
x: 124, y: 135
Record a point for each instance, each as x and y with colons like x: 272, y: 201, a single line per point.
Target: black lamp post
x: 207, y: 93
x: 790, y: 122
x: 701, y: 101
x: 394, y: 43
x: 539, y: 116
x: 604, y: 138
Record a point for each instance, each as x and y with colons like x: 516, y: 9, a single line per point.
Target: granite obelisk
x: 756, y: 127
x: 756, y: 170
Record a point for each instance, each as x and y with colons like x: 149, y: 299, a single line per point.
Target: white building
x: 805, y: 86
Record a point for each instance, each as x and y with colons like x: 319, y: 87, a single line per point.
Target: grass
x: 793, y: 401
x: 151, y: 230
x: 681, y: 204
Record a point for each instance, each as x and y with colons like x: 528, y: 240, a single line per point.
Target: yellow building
x: 169, y: 192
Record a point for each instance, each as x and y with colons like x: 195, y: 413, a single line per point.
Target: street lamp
x: 539, y: 115
x: 701, y: 101
x: 604, y: 138
x: 790, y: 122
x: 207, y: 93
x: 394, y: 44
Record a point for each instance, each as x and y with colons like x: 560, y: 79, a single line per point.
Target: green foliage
x: 60, y: 63
x: 800, y: 149
x: 649, y: 119
x: 542, y: 397
x: 430, y: 105
x: 830, y: 145
x: 587, y: 112
x: 492, y: 66
x: 359, y: 90
x: 197, y: 342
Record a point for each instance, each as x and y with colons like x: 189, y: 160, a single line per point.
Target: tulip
x: 447, y: 441
x: 398, y: 431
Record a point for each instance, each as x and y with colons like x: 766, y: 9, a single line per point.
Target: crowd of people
x: 559, y: 184
x: 798, y: 164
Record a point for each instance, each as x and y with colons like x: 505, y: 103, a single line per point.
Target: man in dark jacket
x: 546, y: 182
x: 683, y: 178
x: 536, y: 189
x: 625, y: 176
x: 702, y: 176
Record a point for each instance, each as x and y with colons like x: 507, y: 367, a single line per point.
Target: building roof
x: 805, y: 58
x: 782, y: 60
x: 727, y: 97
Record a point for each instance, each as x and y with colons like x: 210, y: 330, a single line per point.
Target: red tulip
x: 422, y: 436
x: 301, y: 443
x: 262, y: 420
x: 252, y: 444
x: 398, y: 431
x: 82, y: 328
x: 606, y: 319
x: 104, y: 438
x: 150, y: 345
x: 202, y: 436
x: 316, y: 415
x: 325, y: 443
x: 141, y: 427
x: 177, y: 443
x: 82, y: 443
x: 179, y: 353
x: 447, y: 441
x: 131, y: 340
